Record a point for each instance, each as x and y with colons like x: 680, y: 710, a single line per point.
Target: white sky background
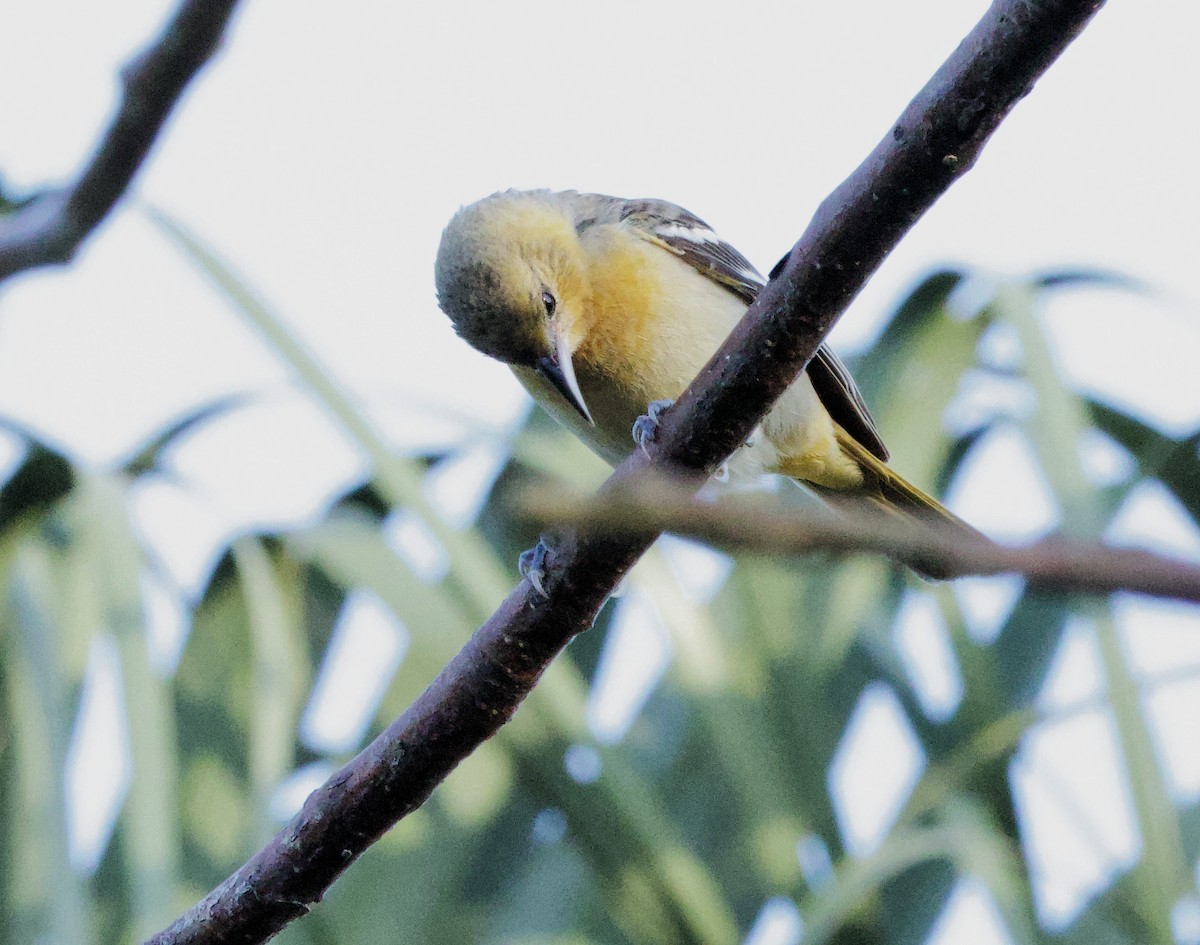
x: 327, y: 145
x: 326, y: 148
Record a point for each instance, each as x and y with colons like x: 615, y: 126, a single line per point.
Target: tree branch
x: 765, y: 524
x: 49, y: 229
x: 935, y: 141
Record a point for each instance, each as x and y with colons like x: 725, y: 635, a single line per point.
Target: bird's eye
x: 549, y: 301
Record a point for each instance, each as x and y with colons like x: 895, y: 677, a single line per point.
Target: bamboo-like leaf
x: 148, y: 458
x: 1089, y: 278
x: 350, y: 548
x: 213, y: 701
x: 280, y: 672
x: 479, y: 575
x: 43, y: 477
x: 856, y: 882
x: 1057, y: 426
x: 150, y: 841
x: 695, y: 819
x: 1057, y: 430
x: 49, y: 900
x: 1163, y: 874
x: 910, y: 375
x: 1176, y: 462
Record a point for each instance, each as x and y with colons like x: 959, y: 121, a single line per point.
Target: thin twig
x: 767, y: 525
x: 932, y: 144
x: 49, y: 229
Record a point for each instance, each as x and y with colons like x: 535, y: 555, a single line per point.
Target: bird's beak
x: 559, y: 371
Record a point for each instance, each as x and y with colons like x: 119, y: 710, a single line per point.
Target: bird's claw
x: 645, y: 428
x: 532, y: 564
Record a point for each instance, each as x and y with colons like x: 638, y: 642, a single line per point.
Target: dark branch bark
x: 764, y: 524
x: 50, y: 229
x: 934, y: 142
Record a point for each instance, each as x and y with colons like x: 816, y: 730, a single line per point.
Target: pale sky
x: 323, y: 152
x: 326, y: 146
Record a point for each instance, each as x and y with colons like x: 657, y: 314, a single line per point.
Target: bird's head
x: 512, y: 276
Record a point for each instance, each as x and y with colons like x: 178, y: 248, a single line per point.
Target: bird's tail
x: 885, y: 492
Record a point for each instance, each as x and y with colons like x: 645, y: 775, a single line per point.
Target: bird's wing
x: 838, y: 392
x: 691, y: 239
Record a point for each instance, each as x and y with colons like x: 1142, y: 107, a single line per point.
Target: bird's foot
x: 532, y: 564
x: 645, y: 428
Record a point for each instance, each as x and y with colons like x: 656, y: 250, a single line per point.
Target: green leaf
x: 1089, y: 278
x: 1057, y: 428
x: 213, y: 701
x: 479, y: 575
x: 49, y: 900
x: 1175, y: 462
x: 42, y: 479
x: 149, y: 457
x: 280, y: 668
x: 148, y: 825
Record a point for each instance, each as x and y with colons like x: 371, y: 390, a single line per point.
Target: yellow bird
x: 604, y: 307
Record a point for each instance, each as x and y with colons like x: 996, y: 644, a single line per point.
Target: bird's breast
x: 653, y: 322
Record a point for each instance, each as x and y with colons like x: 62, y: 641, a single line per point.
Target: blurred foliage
x: 718, y: 799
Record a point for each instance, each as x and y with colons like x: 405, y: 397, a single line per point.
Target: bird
x: 606, y: 308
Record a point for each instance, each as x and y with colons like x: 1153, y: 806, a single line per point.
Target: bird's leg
x: 532, y: 563
x: 645, y: 428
